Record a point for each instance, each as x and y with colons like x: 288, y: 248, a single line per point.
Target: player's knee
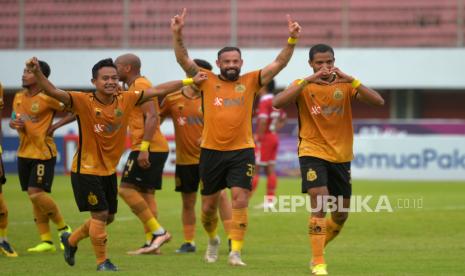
x: 101, y: 215
x: 110, y: 219
x: 208, y: 209
x: 340, y: 218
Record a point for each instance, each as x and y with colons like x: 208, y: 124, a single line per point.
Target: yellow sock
x: 332, y: 230
x: 210, y: 223
x: 236, y: 245
x: 317, y: 235
x: 46, y: 237
x: 148, y: 237
x: 152, y: 224
x: 3, y: 233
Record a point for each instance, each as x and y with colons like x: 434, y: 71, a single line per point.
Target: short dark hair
x: 203, y: 64
x: 319, y: 48
x: 270, y: 87
x: 45, y: 68
x: 108, y: 62
x: 228, y: 49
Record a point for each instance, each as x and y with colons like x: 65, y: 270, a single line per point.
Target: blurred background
x: 412, y: 52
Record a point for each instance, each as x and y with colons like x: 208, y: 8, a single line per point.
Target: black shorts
x: 150, y: 178
x: 2, y: 174
x: 221, y: 169
x: 36, y: 173
x: 95, y: 193
x: 317, y: 172
x: 187, y: 178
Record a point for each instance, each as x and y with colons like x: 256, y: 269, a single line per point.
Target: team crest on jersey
x: 92, y: 199
x: 338, y: 95
x: 240, y: 88
x: 35, y: 107
x: 311, y: 175
x: 118, y: 112
x: 98, y: 112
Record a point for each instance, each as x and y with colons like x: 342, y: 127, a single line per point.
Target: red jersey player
x: 269, y: 121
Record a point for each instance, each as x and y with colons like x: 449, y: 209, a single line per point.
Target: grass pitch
x: 423, y: 235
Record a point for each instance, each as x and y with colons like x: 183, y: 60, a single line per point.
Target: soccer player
x: 227, y: 148
x: 32, y: 116
x: 185, y: 108
x: 143, y: 172
x: 269, y: 121
x: 325, y: 142
x: 102, y: 118
x: 5, y: 247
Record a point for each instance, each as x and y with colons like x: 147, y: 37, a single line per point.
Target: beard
x: 231, y: 74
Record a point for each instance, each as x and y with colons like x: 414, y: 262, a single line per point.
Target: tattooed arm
x: 182, y: 57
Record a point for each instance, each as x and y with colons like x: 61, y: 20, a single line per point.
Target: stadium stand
x: 348, y: 23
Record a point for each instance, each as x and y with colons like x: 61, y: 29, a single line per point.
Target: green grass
x: 414, y: 241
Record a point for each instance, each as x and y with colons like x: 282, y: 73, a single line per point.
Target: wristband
x: 144, y: 146
x: 187, y: 81
x: 356, y: 83
x: 292, y: 40
x: 302, y: 82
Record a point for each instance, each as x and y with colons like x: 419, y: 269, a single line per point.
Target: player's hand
x: 317, y: 77
x: 17, y: 124
x: 143, y: 159
x: 177, y: 22
x: 341, y: 76
x: 32, y: 64
x: 200, y: 77
x: 294, y: 27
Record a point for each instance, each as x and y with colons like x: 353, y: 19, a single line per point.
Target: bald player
x: 142, y: 174
x: 102, y: 118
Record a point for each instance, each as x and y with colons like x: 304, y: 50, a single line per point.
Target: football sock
x: 210, y: 223
x: 140, y: 208
x: 238, y: 228
x: 79, y: 234
x: 148, y: 236
x: 317, y: 234
x: 41, y: 221
x: 98, y: 238
x: 48, y: 206
x: 332, y: 230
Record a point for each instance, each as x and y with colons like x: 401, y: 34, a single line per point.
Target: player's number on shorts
x: 129, y: 165
x: 250, y: 170
x: 40, y: 170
